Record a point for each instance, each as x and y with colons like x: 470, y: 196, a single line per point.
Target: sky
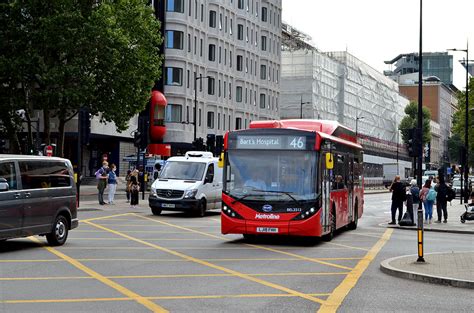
x: 378, y: 30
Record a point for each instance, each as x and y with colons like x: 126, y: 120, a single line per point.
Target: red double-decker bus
x: 292, y: 177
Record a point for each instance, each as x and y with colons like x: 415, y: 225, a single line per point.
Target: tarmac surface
x: 451, y: 268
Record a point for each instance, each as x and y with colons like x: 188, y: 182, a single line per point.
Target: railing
x: 373, y: 183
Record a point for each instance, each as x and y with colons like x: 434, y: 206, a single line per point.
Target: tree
x: 454, y: 148
x: 459, y: 127
x: 411, y: 121
x: 101, y: 55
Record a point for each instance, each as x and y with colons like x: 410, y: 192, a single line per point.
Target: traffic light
x: 219, y: 144
x: 141, y: 135
x: 198, y: 144
x: 211, y: 143
x: 414, y: 144
x: 85, y: 120
x: 3, y: 144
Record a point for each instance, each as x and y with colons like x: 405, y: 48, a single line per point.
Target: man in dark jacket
x: 441, y: 200
x: 398, y: 196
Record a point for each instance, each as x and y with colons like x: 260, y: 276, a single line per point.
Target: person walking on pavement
x: 102, y: 177
x: 134, y: 191
x: 415, y: 194
x: 441, y: 200
x: 127, y: 183
x: 428, y: 196
x: 112, y: 183
x: 398, y: 196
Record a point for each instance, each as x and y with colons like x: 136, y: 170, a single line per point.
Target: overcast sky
x: 379, y: 30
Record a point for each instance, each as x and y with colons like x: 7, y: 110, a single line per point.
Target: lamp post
x: 466, y: 133
x: 357, y: 126
x: 301, y: 106
x: 195, y: 102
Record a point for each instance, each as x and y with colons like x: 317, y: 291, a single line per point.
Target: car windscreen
x: 183, y: 170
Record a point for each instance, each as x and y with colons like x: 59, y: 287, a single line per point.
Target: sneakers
x: 431, y: 221
x: 392, y: 223
x: 445, y: 221
x: 437, y: 222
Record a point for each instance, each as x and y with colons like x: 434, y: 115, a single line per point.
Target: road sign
x: 49, y: 151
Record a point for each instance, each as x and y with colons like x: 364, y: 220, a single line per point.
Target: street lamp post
x: 301, y: 106
x: 466, y: 133
x: 357, y: 126
x: 195, y: 102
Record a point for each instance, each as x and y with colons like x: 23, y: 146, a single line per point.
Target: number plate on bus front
x: 167, y: 205
x: 267, y: 230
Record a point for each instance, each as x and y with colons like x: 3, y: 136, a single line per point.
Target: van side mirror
x: 4, y: 185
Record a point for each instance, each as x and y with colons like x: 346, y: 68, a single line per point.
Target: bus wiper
x: 288, y: 193
x: 247, y: 195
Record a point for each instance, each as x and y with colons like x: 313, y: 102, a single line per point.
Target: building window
x: 240, y: 62
x: 240, y: 4
x: 263, y: 71
x: 238, y: 123
x: 174, y: 39
x: 238, y: 94
x: 230, y: 91
x: 225, y: 24
x: 264, y: 43
x: 220, y: 55
x: 210, y: 120
x: 223, y: 122
x: 212, y: 52
x: 212, y: 19
x: 202, y: 12
x: 175, y: 6
x: 230, y: 27
x: 189, y: 8
x: 174, y: 76
x: 200, y: 117
x: 218, y: 121
x: 173, y: 113
x: 220, y: 21
x: 200, y: 51
x: 219, y: 89
x: 240, y: 32
x: 189, y: 42
x: 195, y: 9
x: 195, y: 44
x: 230, y: 125
x: 211, y: 86
x: 262, y: 101
x: 230, y: 59
x: 264, y: 14
x: 188, y: 78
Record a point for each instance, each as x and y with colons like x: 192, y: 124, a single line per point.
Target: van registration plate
x: 267, y: 230
x: 168, y: 205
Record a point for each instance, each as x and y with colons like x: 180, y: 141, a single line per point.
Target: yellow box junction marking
x: 132, y: 295
x: 251, y: 245
x: 211, y: 265
x: 338, y: 295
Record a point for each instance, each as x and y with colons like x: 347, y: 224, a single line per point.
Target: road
x: 125, y: 260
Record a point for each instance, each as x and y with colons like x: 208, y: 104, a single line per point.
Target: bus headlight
x: 190, y: 193
x: 229, y: 212
x: 305, y: 214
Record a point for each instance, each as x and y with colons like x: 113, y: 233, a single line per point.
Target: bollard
x: 420, y: 234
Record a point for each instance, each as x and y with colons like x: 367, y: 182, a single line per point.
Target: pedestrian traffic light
x: 211, y: 143
x: 414, y: 144
x: 141, y: 135
x: 85, y: 121
x: 219, y: 144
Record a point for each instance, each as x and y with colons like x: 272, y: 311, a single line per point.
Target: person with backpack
x: 398, y: 197
x: 102, y: 177
x: 134, y: 188
x: 442, y: 200
x: 430, y: 198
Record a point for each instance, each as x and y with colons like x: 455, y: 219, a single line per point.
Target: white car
x: 191, y: 183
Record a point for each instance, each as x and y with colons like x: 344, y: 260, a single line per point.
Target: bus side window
x: 339, y: 173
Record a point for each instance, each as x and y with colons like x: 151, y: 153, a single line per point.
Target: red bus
x: 292, y: 177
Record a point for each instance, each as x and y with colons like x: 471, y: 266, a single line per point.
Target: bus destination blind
x: 271, y: 142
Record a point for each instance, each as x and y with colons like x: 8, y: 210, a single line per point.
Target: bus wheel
x: 353, y: 224
x: 155, y: 211
x: 201, y: 211
x: 330, y: 235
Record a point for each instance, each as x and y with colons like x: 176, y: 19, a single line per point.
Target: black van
x: 37, y: 197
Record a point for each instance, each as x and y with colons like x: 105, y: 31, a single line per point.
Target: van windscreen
x: 183, y: 170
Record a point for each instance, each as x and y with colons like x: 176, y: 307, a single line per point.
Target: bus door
x: 325, y: 176
x: 350, y: 187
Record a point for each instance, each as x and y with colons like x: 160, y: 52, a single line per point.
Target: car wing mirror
x: 4, y: 185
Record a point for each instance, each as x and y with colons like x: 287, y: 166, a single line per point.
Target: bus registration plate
x: 267, y: 230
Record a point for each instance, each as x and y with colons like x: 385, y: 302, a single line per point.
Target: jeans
x: 112, y: 188
x: 101, y: 196
x: 442, y: 207
x: 428, y: 209
x: 397, y: 204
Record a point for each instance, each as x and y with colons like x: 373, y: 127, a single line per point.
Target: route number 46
x: 298, y: 143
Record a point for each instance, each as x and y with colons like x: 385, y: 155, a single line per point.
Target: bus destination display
x: 271, y: 142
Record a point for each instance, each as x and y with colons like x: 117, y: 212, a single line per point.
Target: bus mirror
x: 220, y: 164
x: 329, y: 161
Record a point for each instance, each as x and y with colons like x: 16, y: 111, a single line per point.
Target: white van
x: 189, y: 183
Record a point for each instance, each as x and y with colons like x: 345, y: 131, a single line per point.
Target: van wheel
x: 332, y: 230
x: 201, y: 211
x: 58, y: 236
x: 155, y: 211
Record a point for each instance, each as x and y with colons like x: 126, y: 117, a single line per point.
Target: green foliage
x: 459, y: 121
x: 61, y: 55
x: 454, y: 148
x: 411, y: 120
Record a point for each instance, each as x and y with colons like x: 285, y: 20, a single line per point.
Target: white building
x: 235, y: 46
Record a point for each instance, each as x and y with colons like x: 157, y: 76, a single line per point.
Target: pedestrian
x: 127, y: 182
x: 134, y: 190
x: 442, y: 200
x: 415, y: 194
x: 112, y: 183
x: 398, y: 191
x: 428, y: 196
x: 101, y: 176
